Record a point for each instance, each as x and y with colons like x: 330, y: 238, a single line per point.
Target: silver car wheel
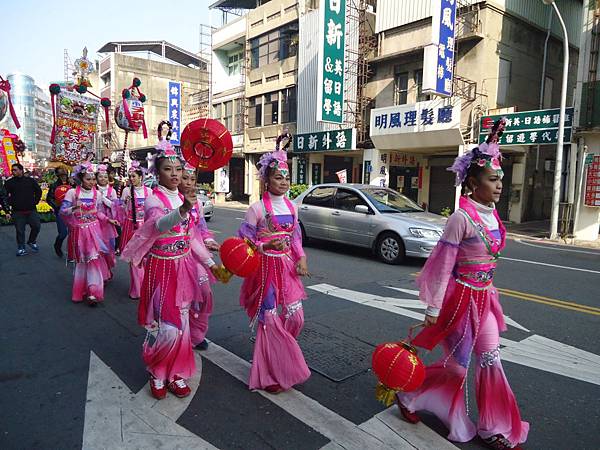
x: 390, y: 248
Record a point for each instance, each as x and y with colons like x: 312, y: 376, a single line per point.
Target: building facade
x: 499, y: 67
x: 43, y: 124
x: 156, y: 64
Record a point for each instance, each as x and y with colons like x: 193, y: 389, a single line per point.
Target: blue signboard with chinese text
x: 438, y: 65
x: 174, y: 108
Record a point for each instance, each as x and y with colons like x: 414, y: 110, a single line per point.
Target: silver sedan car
x: 369, y: 216
x: 207, y: 204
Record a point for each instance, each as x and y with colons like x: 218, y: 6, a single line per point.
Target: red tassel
x: 5, y: 86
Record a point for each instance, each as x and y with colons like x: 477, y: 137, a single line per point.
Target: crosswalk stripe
x: 342, y: 432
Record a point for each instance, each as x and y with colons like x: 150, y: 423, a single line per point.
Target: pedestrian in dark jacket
x: 23, y: 195
x: 62, y: 184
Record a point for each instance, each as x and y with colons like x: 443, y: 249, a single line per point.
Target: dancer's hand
x: 302, y: 267
x: 114, y: 222
x: 189, y: 200
x: 430, y: 320
x: 211, y: 245
x: 8, y: 217
x: 275, y: 244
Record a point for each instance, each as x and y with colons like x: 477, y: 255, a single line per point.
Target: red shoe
x: 410, y: 417
x: 274, y: 389
x: 179, y: 387
x: 158, y: 388
x: 499, y: 442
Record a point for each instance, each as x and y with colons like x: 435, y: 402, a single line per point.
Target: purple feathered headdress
x: 278, y: 158
x: 84, y: 167
x: 486, y: 155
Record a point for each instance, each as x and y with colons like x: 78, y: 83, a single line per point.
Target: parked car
x: 207, y: 203
x: 369, y: 216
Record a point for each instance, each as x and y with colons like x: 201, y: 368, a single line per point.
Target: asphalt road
x: 550, y: 292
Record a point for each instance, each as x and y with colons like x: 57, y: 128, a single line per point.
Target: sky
x: 35, y: 33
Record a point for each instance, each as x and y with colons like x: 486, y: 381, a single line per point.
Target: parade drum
x: 398, y: 368
x: 60, y: 192
x: 3, y: 104
x: 129, y: 114
x: 239, y: 256
x: 206, y: 144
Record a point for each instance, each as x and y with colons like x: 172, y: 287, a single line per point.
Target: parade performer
x: 273, y: 295
x: 172, y: 248
x: 81, y: 211
x: 109, y: 206
x: 200, y: 311
x: 133, y: 200
x: 464, y: 312
x: 54, y: 198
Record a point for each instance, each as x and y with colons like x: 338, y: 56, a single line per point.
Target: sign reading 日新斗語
x: 438, y: 62
x: 322, y: 141
x: 332, y: 66
x: 174, y: 108
x: 529, y: 127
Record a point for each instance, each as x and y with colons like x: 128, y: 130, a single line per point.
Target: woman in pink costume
x: 200, y: 311
x: 171, y: 247
x: 464, y: 312
x: 109, y: 207
x: 81, y: 211
x: 273, y: 294
x: 133, y: 199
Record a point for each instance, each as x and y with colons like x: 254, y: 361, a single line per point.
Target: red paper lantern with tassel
x: 239, y: 256
x: 60, y: 192
x: 398, y: 368
x: 206, y: 144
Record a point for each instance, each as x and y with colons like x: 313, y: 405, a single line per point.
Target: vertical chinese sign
x: 174, y: 108
x: 330, y: 91
x: 438, y: 64
x: 592, y: 182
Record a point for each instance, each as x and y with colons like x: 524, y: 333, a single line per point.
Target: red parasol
x: 206, y: 144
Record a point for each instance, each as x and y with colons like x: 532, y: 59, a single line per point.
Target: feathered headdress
x: 164, y: 147
x: 278, y: 158
x: 486, y: 155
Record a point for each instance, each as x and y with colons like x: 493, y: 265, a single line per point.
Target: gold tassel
x: 222, y: 274
x: 385, y: 395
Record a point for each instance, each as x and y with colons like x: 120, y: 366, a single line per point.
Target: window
x: 239, y: 116
x: 504, y: 78
x: 288, y: 105
x: 274, y: 46
x: 400, y: 87
x: 255, y: 111
x: 228, y: 114
x: 234, y: 63
x: 347, y: 200
x: 418, y: 79
x: 217, y: 111
x: 322, y: 196
x: 271, y: 108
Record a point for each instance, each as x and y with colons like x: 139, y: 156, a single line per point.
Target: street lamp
x: 561, y: 127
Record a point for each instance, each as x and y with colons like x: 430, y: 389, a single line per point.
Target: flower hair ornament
x: 486, y: 155
x: 102, y: 168
x: 189, y: 168
x: 164, y: 147
x: 136, y: 167
x: 275, y: 160
x: 84, y: 168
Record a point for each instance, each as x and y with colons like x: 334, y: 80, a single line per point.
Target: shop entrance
x: 236, y: 178
x: 334, y: 164
x: 405, y: 180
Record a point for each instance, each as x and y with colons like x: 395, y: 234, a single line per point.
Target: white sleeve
x: 169, y: 221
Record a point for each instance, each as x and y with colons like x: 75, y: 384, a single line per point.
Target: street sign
x: 589, y: 159
x: 529, y: 127
x: 592, y: 182
x: 322, y: 141
x: 332, y: 66
x: 438, y: 62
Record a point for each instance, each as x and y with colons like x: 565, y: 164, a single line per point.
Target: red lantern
x: 398, y: 368
x: 206, y: 144
x: 239, y: 256
x: 60, y: 192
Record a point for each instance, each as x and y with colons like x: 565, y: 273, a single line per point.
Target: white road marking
x: 535, y: 351
x: 115, y: 417
x: 343, y: 433
x: 550, y: 265
x: 551, y: 247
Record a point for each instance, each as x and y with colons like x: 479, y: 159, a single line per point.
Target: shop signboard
x: 438, y: 63
x: 324, y: 141
x: 316, y: 173
x: 174, y: 108
x: 529, y: 127
x: 592, y: 183
x: 301, y: 171
x: 332, y: 63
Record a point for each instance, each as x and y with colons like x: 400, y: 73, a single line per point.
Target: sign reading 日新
x: 322, y: 141
x: 438, y: 63
x: 529, y: 127
x: 174, y: 108
x: 330, y: 89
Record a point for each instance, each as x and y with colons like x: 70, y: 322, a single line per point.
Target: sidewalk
x: 539, y: 231
x: 232, y: 205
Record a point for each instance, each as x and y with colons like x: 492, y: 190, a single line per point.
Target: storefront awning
x: 423, y: 127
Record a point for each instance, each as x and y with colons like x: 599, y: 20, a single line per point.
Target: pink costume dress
x: 200, y: 311
x: 171, y: 249
x: 273, y: 295
x: 136, y: 273
x: 86, y: 242
x: 109, y: 207
x: 456, y: 283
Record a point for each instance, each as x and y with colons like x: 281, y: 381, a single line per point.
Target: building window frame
x: 271, y: 108
x: 234, y: 63
x: 400, y: 86
x: 504, y: 81
x: 418, y: 80
x: 255, y: 111
x: 289, y: 105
